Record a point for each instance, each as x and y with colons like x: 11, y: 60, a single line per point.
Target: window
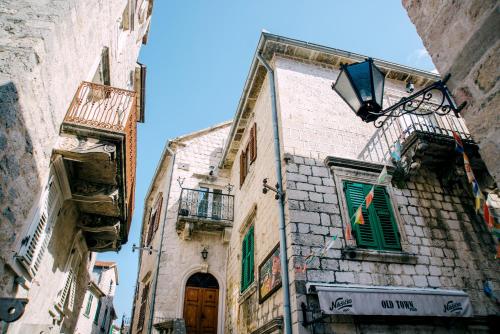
x: 104, y: 318
x: 154, y: 220
x: 102, y: 75
x: 249, y: 154
x: 97, y: 312
x: 380, y: 229
x: 110, y: 287
x: 67, y: 293
x: 142, y: 310
x: 247, y: 259
x: 34, y: 245
x: 89, y: 305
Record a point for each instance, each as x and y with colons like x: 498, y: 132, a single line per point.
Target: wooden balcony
x: 98, y: 145
x: 201, y: 210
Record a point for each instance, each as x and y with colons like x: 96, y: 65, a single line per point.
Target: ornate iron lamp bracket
x: 433, y: 99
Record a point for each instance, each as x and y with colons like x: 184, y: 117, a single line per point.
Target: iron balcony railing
x: 204, y: 204
x: 399, y: 129
x: 110, y: 109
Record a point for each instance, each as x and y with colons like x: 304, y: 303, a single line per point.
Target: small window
x: 142, y: 310
x: 249, y: 154
x: 89, y: 305
x: 97, y: 312
x: 379, y: 230
x: 154, y: 219
x: 247, y: 260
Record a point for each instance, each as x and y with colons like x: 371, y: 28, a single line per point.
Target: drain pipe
x: 277, y: 156
x: 167, y: 194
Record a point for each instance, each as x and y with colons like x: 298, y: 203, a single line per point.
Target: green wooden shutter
x: 355, y: 195
x: 389, y: 236
x: 243, y: 263
x: 250, y: 256
x: 247, y: 260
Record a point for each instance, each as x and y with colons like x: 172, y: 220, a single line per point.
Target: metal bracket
x: 278, y: 193
x: 12, y: 309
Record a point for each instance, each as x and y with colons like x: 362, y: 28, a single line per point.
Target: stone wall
x: 450, y: 245
x: 48, y: 48
x: 462, y: 39
x: 194, y: 154
x: 244, y: 313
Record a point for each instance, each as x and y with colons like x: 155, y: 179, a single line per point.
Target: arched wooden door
x: 201, y: 304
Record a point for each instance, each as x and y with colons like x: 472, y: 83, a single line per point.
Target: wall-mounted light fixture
x: 204, y: 253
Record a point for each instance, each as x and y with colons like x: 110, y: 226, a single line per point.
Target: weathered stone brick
x: 297, y: 194
x: 314, y: 180
x: 304, y: 217
x: 420, y: 281
x: 305, y: 170
x: 421, y: 269
x: 296, y: 177
x: 320, y: 171
x: 344, y: 277
x: 434, y: 281
x: 304, y: 186
x: 315, y: 197
x: 319, y: 229
x: 326, y: 276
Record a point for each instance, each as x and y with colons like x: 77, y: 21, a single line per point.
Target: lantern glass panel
x: 361, y: 79
x: 378, y: 84
x: 344, y: 88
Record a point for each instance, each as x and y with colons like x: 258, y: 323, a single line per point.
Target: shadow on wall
x: 19, y: 175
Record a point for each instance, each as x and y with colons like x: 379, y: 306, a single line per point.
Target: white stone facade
x: 443, y: 242
x: 48, y: 49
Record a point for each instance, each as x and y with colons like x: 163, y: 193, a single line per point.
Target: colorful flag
x: 468, y: 169
x: 369, y: 197
x: 498, y: 252
x: 396, y: 154
x: 348, y: 232
x: 459, y: 146
x: 382, y: 176
x: 488, y: 217
x: 328, y: 246
x: 475, y: 189
x: 478, y: 203
x: 358, y: 216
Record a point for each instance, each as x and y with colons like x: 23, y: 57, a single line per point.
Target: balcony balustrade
x: 205, y: 210
x: 423, y: 138
x: 98, y: 145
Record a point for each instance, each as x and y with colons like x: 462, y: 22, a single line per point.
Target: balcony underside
x: 203, y: 224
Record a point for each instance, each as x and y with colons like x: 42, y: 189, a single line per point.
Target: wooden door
x: 200, y: 310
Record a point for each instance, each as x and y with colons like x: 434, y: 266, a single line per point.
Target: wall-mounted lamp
x: 148, y: 249
x: 212, y: 168
x: 204, y: 253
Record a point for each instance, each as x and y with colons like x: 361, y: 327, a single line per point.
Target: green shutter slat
x: 247, y: 260
x: 251, y: 258
x: 355, y: 195
x: 388, y: 227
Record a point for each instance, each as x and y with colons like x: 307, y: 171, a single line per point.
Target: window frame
x: 248, y: 155
x: 373, y: 223
x: 88, y: 307
x: 341, y: 174
x: 247, y: 259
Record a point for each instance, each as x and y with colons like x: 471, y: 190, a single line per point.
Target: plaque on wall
x: 270, y: 274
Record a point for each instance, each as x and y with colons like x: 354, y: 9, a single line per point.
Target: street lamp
x: 361, y: 86
x: 204, y: 253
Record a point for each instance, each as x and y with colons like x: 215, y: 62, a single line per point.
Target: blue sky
x: 198, y: 56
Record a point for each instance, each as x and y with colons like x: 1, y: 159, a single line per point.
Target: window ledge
x: 248, y: 292
x: 360, y: 254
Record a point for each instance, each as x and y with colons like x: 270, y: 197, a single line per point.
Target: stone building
x: 462, y: 39
x: 98, y: 313
x: 71, y: 93
x: 419, y: 263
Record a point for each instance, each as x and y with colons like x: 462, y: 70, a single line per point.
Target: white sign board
x: 393, y: 301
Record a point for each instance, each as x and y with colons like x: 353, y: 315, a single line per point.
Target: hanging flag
x: 396, y: 154
x: 478, y: 203
x: 475, y: 188
x: 488, y: 217
x: 369, y: 197
x: 382, y: 176
x: 498, y: 252
x: 348, y: 232
x: 459, y: 146
x: 358, y: 216
x: 468, y: 169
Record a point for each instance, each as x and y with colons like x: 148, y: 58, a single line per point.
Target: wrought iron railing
x: 204, y: 204
x: 101, y: 107
x: 398, y: 130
